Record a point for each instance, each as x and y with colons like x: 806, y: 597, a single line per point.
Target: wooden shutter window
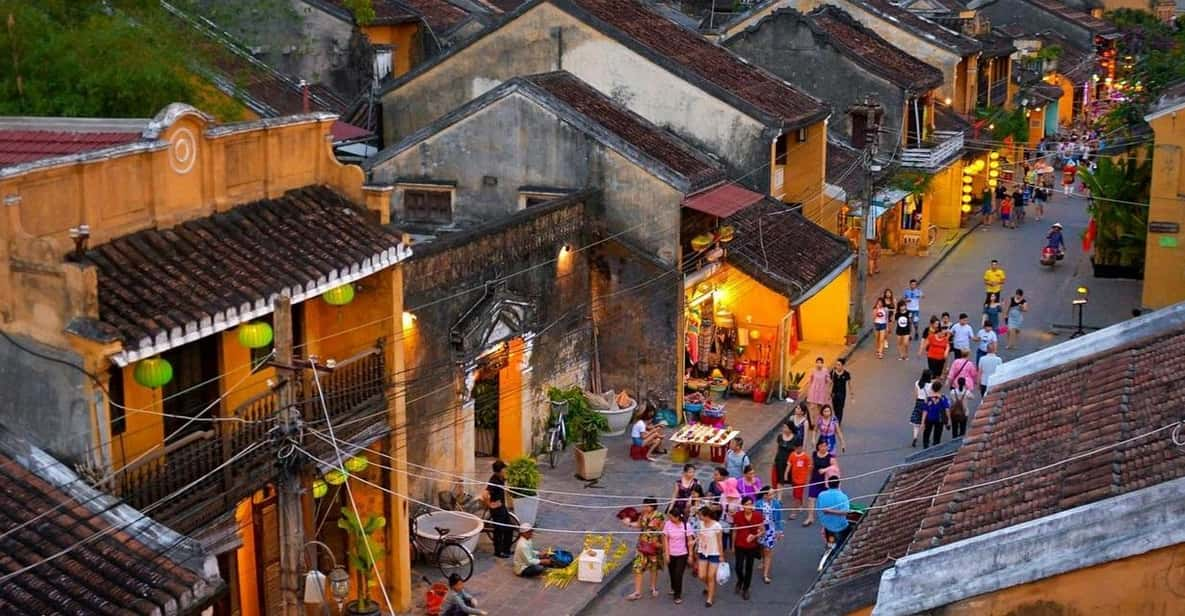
x: 428, y: 206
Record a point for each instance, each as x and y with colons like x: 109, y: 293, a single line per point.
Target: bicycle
x: 489, y: 525
x: 557, y: 431
x: 448, y: 553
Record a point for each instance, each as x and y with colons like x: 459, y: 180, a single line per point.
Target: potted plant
x: 1118, y: 231
x: 853, y: 332
x: 522, y: 480
x: 365, y: 554
x: 586, y: 425
x: 794, y: 384
x: 485, y: 417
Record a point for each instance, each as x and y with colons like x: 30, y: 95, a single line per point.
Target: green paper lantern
x: 320, y: 488
x: 153, y: 372
x: 255, y: 335
x: 357, y: 464
x: 335, y: 477
x: 339, y: 296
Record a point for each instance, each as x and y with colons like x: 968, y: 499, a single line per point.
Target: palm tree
x: 1119, y: 189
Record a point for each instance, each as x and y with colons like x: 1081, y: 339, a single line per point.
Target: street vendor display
x: 694, y: 436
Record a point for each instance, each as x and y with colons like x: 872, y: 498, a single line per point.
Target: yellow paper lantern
x: 966, y: 188
x: 993, y: 173
x: 335, y: 477
x: 995, y: 164
x: 966, y: 208
x: 320, y: 488
x: 357, y: 464
x: 992, y: 183
x: 966, y: 198
x: 153, y: 372
x: 754, y: 334
x: 967, y: 179
x: 981, y: 162
x: 701, y: 242
x: 256, y: 335
x: 994, y: 155
x: 339, y: 296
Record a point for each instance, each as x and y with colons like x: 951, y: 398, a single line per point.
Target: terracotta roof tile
x: 22, y: 146
x: 155, y: 280
x: 868, y: 49
x: 939, y: 35
x: 705, y: 60
x: 440, y: 15
x: 783, y: 250
x: 1082, y: 18
x: 634, y: 129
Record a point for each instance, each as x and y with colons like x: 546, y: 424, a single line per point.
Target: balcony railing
x: 355, y: 397
x: 944, y: 146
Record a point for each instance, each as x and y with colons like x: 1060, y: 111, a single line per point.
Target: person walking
x: 1006, y: 213
x: 984, y: 339
x: 880, y: 325
x: 800, y: 475
x: 736, y: 459
x: 902, y: 329
x: 1040, y: 196
x: 818, y: 387
x: 1017, y: 307
x: 993, y: 280
x: 649, y: 556
x: 1069, y: 172
x: 985, y: 209
x: 921, y: 391
x: 936, y: 416
x: 684, y: 487
x: 992, y: 308
x: 829, y: 430
x: 803, y: 425
x: 677, y: 543
x: 747, y: 527
x: 771, y: 514
x: 840, y: 388
x: 987, y: 367
x: 821, y: 460
x: 959, y: 396
x: 709, y: 545
x: 961, y: 336
x: 784, y: 441
x: 750, y: 484
x: 964, y: 368
x: 494, y: 498
x: 913, y: 303
x: 935, y: 345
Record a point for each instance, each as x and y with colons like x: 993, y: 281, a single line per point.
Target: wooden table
x: 695, y: 436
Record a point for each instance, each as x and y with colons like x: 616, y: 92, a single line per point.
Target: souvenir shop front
x: 739, y: 337
x: 895, y: 220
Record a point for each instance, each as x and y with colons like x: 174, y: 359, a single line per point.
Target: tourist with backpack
x: 958, y: 407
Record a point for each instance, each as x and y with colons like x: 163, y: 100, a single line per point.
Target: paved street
x: 876, y: 426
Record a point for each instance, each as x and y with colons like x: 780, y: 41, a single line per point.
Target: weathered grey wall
x: 1033, y: 19
x: 532, y: 43
x: 43, y: 400
x: 517, y: 143
x: 785, y: 46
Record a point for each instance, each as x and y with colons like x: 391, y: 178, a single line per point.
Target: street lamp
x: 314, y: 583
x: 1080, y: 303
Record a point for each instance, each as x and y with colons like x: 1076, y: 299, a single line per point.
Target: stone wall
x: 33, y: 386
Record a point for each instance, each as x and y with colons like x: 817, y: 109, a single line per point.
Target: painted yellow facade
x: 824, y: 317
x: 187, y: 169
x: 803, y: 172
x: 404, y: 42
x: 1164, y: 263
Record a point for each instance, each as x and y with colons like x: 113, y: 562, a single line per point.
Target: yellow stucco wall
x: 1164, y: 266
x: 825, y: 316
x: 806, y: 170
x: 944, y: 197
x: 403, y: 38
x: 1151, y: 583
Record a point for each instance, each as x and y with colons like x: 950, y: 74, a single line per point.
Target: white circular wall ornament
x: 183, y: 151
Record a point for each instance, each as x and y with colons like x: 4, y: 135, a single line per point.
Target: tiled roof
x: 1067, y: 410
x: 779, y: 247
x: 164, y: 282
x: 636, y: 130
x: 843, y: 169
x: 939, y: 35
x: 22, y: 146
x: 113, y: 573
x: 1082, y: 18
x: 1075, y: 62
x: 506, y: 6
x: 694, y: 54
x: 868, y: 49
x: 440, y: 15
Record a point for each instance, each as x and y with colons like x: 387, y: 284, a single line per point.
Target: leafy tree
x: 1118, y: 188
x: 1003, y: 123
x: 100, y: 58
x: 1157, y: 59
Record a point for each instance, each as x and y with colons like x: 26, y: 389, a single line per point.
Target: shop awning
x: 882, y: 202
x: 723, y: 200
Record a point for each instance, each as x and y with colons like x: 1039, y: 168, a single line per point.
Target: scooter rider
x: 1054, y: 239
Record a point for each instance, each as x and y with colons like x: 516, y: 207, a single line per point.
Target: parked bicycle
x: 446, y: 551
x: 557, y: 431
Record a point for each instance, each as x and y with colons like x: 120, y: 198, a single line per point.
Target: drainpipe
x: 917, y: 119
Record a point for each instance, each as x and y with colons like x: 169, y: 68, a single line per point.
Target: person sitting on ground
x: 458, y: 601
x: 646, y: 434
x: 527, y: 562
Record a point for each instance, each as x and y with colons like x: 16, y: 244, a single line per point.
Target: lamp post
x: 1080, y: 303
x: 314, y: 584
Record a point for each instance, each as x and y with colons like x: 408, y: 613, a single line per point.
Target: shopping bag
x: 723, y: 572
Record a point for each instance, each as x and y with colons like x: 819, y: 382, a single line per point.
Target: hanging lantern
x: 992, y: 183
x: 153, y: 372
x: 255, y: 335
x: 726, y: 233
x: 701, y: 242
x: 966, y: 188
x: 967, y: 179
x: 966, y: 208
x: 335, y: 477
x: 995, y: 164
x: 754, y: 334
x: 357, y: 464
x: 320, y: 488
x: 339, y: 296
x: 966, y: 198
x: 993, y: 173
x: 994, y: 155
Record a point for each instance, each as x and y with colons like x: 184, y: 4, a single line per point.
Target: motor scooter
x: 1050, y: 256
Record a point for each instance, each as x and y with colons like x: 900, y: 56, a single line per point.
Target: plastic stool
x: 637, y: 452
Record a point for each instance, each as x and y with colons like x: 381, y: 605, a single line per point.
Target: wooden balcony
x: 356, y: 399
x: 941, y: 148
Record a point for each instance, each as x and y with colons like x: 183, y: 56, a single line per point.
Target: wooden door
x: 267, y: 553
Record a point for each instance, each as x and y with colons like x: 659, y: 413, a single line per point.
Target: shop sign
x: 1160, y: 226
x: 1167, y: 241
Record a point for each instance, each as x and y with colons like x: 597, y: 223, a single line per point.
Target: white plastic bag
x: 723, y: 572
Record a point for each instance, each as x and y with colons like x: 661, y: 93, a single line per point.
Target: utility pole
x: 289, y: 487
x: 873, y: 114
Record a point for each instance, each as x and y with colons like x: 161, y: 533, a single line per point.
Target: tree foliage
x: 1003, y: 123
x: 1119, y: 188
x: 98, y: 58
x: 1157, y: 53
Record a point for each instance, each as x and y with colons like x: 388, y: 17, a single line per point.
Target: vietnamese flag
x: 1092, y: 230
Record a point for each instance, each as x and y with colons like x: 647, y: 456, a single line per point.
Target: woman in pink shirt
x: 677, y: 540
x: 965, y: 368
x: 818, y: 389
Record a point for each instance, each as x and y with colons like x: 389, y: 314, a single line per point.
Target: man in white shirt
x: 913, y: 303
x: 527, y: 562
x: 961, y: 335
x: 986, y: 338
x: 987, y: 367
